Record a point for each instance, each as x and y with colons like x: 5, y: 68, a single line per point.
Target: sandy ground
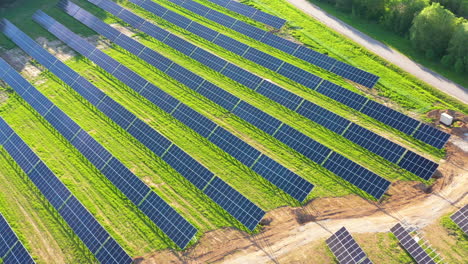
x: 384, y: 51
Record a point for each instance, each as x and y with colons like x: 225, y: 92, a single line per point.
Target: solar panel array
x: 384, y: 114
x: 411, y: 245
x: 379, y: 145
x: 242, y: 9
x: 12, y: 251
x: 345, y: 248
x: 355, y: 174
x: 461, y: 218
x: 157, y: 143
x: 283, y: 178
x: 165, y: 217
x: 81, y: 221
x: 321, y: 60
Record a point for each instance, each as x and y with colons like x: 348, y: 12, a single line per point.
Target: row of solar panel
x: 173, y: 155
x: 371, y: 183
x: 242, y: 9
x: 321, y: 60
x: 202, y: 125
x: 345, y: 248
x: 381, y: 146
x: 179, y: 230
x: 85, y: 226
x: 386, y: 115
x: 461, y: 218
x: 411, y: 245
x: 12, y: 251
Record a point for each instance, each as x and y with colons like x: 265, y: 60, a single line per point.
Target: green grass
x: 402, y: 44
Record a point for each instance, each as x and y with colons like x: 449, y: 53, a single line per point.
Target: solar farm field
x: 141, y: 127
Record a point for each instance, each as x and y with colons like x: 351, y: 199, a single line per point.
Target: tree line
x: 431, y: 28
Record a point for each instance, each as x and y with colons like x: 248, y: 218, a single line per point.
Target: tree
x: 457, y: 52
x: 5, y: 3
x: 400, y: 14
x: 369, y: 9
x: 432, y: 30
x: 345, y: 5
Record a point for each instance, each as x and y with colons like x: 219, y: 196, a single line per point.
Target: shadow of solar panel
x: 62, y: 123
x: 217, y: 95
x: 185, y: 76
x: 221, y: 18
x: 279, y: 95
x: 168, y: 220
x: 18, y: 150
x: 239, y: 75
x: 374, y: 143
x: 256, y: 117
x: 342, y: 95
x: 461, y: 218
x: 194, y: 120
x: 116, y: 112
x: 390, y: 117
x: 418, y: 165
x: 91, y: 149
x: 235, y: 147
x: 286, y: 180
x: 214, y: 62
x: 37, y: 100
x: 248, y: 30
x: 345, y: 248
x: 230, y: 44
x: 12, y: 250
x: 302, y: 144
x: 411, y: 246
x: 195, y: 7
x: 299, y: 75
x: 149, y: 137
x: 357, y: 175
x: 238, y: 206
x: 263, y: 59
x: 323, y: 117
x: 188, y: 167
x: 314, y: 57
x: 184, y: 47
x: 432, y: 136
x: 202, y: 31
x: 279, y: 43
x: 18, y: 254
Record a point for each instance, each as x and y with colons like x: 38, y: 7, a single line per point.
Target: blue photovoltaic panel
x: 345, y: 248
x: 230, y: 44
x: 202, y: 31
x: 77, y: 217
x: 185, y: 47
x: 194, y: 120
x: 279, y: 95
x: 411, y: 245
x: 155, y: 32
x: 235, y: 147
x: 19, y: 152
x: 193, y: 171
x: 248, y: 30
x: 195, y: 7
x: 38, y: 101
x: 176, y: 19
x: 374, y: 143
x: 302, y: 144
x: 162, y: 62
x: 342, y: 95
x: 461, y: 218
x: 359, y: 176
x: 299, y: 75
x: 251, y: 12
x: 116, y: 112
x: 149, y: 137
x: 170, y: 222
x: 12, y: 250
x: 91, y: 149
x: 221, y: 18
x: 263, y: 59
x: 185, y: 76
x: 314, y: 57
x: 85, y: 89
x: 323, y: 117
x: 279, y: 43
x: 432, y: 136
x: 418, y: 165
x: 256, y: 117
x: 217, y: 95
x: 238, y: 206
x: 297, y: 187
x: 209, y: 59
x: 239, y: 75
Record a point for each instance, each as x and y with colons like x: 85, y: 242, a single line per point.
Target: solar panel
x: 11, y: 249
x: 432, y: 136
x: 263, y: 59
x: 238, y: 206
x: 221, y: 18
x: 119, y: 175
x: 248, y: 30
x: 230, y: 44
x: 279, y: 95
x: 346, y: 249
x: 251, y: 12
x: 324, y: 117
x: 239, y: 75
x: 461, y: 218
x: 85, y: 226
x: 411, y: 245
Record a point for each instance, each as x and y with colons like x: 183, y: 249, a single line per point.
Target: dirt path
x: 384, y: 51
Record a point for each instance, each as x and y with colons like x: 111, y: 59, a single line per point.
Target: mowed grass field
x: 118, y: 215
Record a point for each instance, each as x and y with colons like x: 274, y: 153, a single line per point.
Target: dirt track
x: 291, y: 228
x: 384, y: 51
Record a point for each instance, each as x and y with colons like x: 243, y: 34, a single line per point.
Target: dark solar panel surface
x: 345, y: 248
x: 461, y: 218
x: 411, y: 246
x: 12, y: 251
